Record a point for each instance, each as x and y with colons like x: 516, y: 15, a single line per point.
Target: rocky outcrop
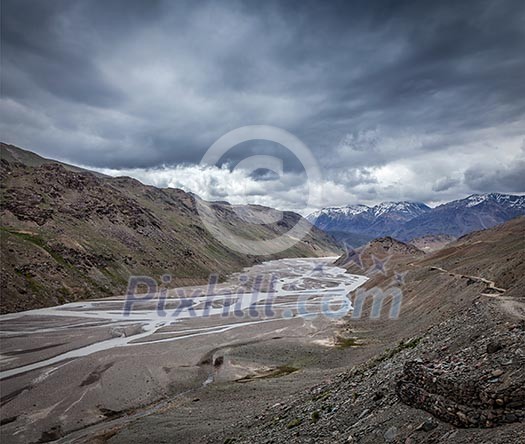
x: 481, y: 385
x: 463, y: 402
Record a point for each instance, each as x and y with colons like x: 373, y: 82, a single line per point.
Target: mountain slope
x: 453, y: 366
x: 69, y: 234
x: 14, y: 154
x: 432, y: 242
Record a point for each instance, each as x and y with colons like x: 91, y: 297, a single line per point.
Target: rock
x: 462, y: 417
x: 350, y: 439
x: 377, y: 395
x: 52, y: 434
x: 427, y: 425
x: 390, y: 434
x: 494, y: 346
x: 497, y: 373
x: 363, y: 413
x: 511, y: 417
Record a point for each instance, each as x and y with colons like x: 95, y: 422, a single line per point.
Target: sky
x: 396, y: 100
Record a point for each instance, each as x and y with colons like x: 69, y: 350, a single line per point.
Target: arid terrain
x: 74, y: 370
x: 262, y: 222
x: 450, y: 369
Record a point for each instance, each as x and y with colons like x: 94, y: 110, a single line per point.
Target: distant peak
x: 500, y: 198
x: 348, y: 210
x: 401, y: 206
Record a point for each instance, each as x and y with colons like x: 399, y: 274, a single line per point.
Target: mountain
x: 376, y: 254
x: 69, y: 234
x: 356, y: 224
x: 459, y: 217
x: 362, y: 218
x: 351, y: 239
x: 409, y: 220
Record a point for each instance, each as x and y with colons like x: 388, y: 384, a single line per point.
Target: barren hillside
x: 68, y: 234
x: 452, y: 369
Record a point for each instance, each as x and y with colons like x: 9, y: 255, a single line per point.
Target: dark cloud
x: 39, y: 54
x: 445, y: 183
x: 375, y: 89
x: 510, y: 178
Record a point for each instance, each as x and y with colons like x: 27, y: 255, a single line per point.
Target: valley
x: 272, y: 222
x: 306, y: 345
x: 112, y: 363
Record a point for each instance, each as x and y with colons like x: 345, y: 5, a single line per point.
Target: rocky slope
x: 68, y: 234
x: 452, y: 368
x: 409, y: 220
x: 14, y: 154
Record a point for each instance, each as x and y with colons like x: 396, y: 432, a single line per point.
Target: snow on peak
x: 399, y: 207
x: 410, y: 208
x: 354, y: 210
x: 476, y: 199
x: 506, y: 199
x: 349, y: 210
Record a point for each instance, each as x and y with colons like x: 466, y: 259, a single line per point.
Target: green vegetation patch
x: 282, y: 370
x: 39, y: 242
x: 403, y: 345
x: 341, y: 342
x: 322, y: 396
x: 294, y: 423
x: 277, y: 372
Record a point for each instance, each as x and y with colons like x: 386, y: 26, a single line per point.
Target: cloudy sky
x: 395, y: 99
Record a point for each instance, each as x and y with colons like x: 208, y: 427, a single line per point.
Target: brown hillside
x: 68, y: 234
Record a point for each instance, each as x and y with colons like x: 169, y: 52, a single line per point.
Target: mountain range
x: 356, y: 224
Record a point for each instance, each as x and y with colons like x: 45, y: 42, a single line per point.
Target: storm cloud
x: 395, y: 99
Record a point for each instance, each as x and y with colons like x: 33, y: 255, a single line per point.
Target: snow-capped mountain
x: 349, y: 210
x: 507, y: 200
x: 459, y: 217
x: 370, y: 221
x: 408, y: 220
x: 400, y: 209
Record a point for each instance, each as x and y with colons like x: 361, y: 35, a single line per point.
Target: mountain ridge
x: 406, y: 220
